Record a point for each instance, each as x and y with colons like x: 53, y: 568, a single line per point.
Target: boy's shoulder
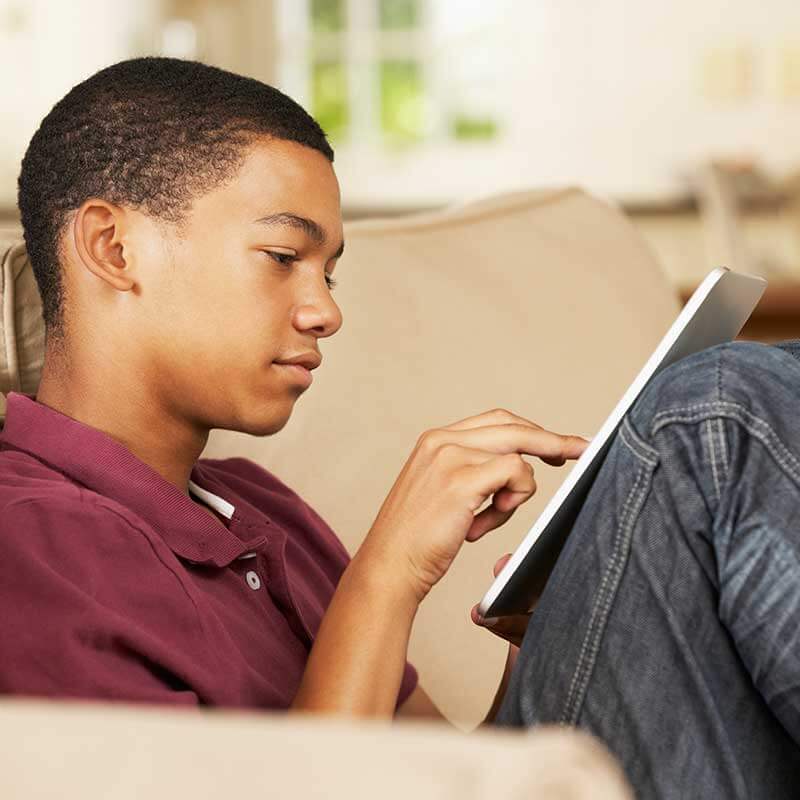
x: 43, y: 509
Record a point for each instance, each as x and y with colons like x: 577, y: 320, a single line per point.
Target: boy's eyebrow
x: 312, y: 229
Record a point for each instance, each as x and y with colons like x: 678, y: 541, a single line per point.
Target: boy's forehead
x: 276, y: 174
x: 285, y: 161
x: 275, y: 177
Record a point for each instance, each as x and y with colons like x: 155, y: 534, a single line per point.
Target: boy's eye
x: 281, y: 258
x: 286, y: 259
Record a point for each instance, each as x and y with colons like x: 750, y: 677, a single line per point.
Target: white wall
x: 606, y: 94
x: 612, y: 95
x: 46, y: 47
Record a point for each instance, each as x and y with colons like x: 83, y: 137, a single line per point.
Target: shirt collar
x: 97, y: 461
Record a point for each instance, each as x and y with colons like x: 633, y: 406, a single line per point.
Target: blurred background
x: 685, y: 114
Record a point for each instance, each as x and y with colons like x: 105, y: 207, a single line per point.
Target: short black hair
x: 149, y: 133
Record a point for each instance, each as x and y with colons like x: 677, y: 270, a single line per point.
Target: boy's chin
x: 268, y: 423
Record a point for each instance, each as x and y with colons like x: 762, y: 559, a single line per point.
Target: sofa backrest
x: 21, y: 325
x: 545, y: 303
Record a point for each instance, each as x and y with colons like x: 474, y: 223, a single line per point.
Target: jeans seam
x: 587, y: 656
x: 636, y: 445
x: 720, y: 425
x: 755, y: 426
x: 712, y: 455
x: 723, y: 444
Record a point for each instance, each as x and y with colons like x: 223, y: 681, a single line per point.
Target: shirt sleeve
x: 70, y: 600
x: 408, y: 684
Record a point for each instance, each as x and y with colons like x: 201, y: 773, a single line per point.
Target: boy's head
x: 182, y: 222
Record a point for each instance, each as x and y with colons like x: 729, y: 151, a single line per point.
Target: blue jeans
x: 670, y: 627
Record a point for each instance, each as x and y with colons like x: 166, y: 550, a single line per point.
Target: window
x: 390, y: 74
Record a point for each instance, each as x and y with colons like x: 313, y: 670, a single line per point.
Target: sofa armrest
x: 115, y: 752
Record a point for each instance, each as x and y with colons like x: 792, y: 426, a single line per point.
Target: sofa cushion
x: 121, y: 752
x: 21, y: 322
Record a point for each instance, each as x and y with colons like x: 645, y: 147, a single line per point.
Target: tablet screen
x: 714, y: 314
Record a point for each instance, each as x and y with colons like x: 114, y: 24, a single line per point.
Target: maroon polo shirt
x: 116, y: 585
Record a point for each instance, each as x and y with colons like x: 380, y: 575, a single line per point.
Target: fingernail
x: 489, y: 622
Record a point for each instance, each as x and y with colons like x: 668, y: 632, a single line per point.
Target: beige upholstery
x: 64, y: 750
x: 21, y: 326
x: 544, y: 303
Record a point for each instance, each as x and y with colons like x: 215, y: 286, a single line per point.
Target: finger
x: 500, y: 563
x: 507, y: 472
x: 504, y: 499
x: 493, y: 517
x: 474, y: 614
x: 499, y: 511
x: 497, y: 416
x: 487, y: 520
x: 463, y: 456
x: 511, y: 628
x: 553, y: 448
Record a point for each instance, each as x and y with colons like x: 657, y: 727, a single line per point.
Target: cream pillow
x: 21, y: 321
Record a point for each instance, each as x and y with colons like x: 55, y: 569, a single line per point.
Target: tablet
x: 714, y: 314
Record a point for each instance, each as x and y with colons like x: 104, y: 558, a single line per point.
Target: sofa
x: 545, y: 303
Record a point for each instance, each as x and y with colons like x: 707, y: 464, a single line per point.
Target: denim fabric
x: 670, y: 627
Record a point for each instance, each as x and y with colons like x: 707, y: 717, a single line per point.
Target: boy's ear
x: 99, y: 229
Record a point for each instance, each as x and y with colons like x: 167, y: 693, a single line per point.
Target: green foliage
x: 329, y: 98
x: 402, y: 93
x: 395, y: 14
x: 471, y: 128
x: 327, y: 15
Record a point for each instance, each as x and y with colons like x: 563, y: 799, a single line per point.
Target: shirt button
x: 253, y: 581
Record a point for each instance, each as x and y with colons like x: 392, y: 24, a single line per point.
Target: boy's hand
x: 512, y: 627
x: 431, y: 509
